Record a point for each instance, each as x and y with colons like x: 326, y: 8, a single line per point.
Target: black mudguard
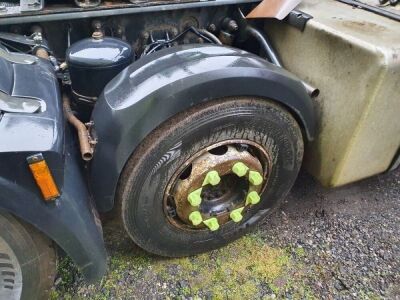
x: 160, y: 85
x: 70, y: 220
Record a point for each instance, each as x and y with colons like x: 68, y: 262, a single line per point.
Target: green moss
x: 245, y: 269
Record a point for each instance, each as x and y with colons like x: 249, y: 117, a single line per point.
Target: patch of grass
x: 67, y: 276
x: 122, y: 266
x: 300, y: 252
x: 245, y: 269
x: 234, y: 271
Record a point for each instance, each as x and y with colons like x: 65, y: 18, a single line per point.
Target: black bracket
x: 298, y: 19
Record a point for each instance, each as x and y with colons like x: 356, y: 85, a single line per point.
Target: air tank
x: 93, y: 62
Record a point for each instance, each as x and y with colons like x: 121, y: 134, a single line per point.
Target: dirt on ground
x: 341, y: 243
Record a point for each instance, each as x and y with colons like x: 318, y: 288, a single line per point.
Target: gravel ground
x: 339, y: 243
x: 351, y: 236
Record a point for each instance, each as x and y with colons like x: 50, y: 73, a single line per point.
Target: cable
x: 211, y: 36
x: 154, y: 46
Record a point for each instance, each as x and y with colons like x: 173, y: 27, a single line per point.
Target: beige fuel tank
x: 353, y: 57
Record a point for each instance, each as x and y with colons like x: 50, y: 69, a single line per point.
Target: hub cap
x: 10, y: 273
x: 217, y: 185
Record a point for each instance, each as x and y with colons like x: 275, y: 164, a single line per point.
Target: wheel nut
x: 236, y: 215
x: 212, y: 224
x: 240, y: 169
x: 195, y: 218
x: 255, y: 178
x: 194, y: 197
x: 253, y: 198
x: 212, y: 178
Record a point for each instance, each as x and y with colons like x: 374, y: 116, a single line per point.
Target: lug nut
x: 236, y: 215
x: 194, y: 197
x: 255, y: 178
x: 212, y: 224
x: 195, y: 218
x: 253, y: 198
x: 240, y: 169
x: 212, y: 178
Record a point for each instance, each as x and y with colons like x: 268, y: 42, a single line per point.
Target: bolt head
x: 212, y: 178
x: 194, y: 197
x: 212, y: 27
x: 255, y: 178
x: 236, y: 215
x: 240, y: 169
x: 253, y: 198
x: 196, y: 218
x: 232, y: 25
x: 212, y: 224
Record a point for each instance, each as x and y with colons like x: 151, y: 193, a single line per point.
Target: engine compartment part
x: 31, y: 44
x: 66, y: 11
x: 93, y: 62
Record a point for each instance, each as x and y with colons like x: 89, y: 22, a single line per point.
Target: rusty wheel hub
x: 217, y: 185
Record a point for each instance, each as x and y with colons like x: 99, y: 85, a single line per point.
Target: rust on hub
x: 217, y: 200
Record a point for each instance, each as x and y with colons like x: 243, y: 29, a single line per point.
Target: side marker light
x: 42, y: 175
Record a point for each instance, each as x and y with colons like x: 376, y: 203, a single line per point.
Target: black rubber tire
x: 35, y: 254
x: 145, y: 177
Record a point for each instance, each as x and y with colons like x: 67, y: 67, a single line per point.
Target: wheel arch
x: 159, y: 86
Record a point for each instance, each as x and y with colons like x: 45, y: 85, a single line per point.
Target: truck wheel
x: 27, y: 261
x: 206, y: 176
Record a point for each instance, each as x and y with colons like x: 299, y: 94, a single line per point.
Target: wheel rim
x: 10, y: 273
x: 217, y: 185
